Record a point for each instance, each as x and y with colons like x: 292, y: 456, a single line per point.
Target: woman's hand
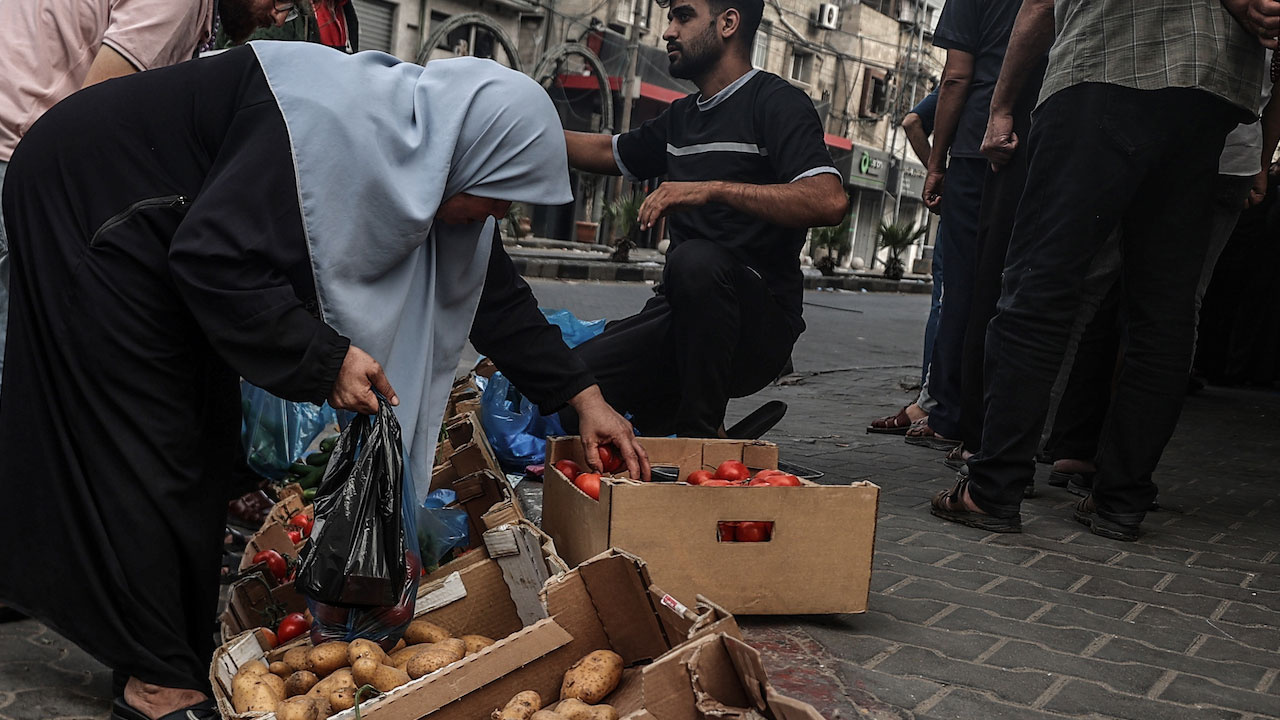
x: 359, y: 375
x: 599, y: 424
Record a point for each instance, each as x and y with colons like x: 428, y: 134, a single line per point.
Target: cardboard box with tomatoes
x: 732, y: 527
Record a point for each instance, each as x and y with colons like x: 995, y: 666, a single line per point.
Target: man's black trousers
x: 1102, y: 156
x: 713, y: 331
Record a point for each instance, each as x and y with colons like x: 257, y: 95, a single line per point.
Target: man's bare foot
x: 915, y: 413
x: 156, y: 701
x: 1078, y: 467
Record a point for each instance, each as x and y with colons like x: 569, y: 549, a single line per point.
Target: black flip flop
x: 203, y: 710
x: 760, y: 421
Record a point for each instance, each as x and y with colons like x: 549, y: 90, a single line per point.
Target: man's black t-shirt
x: 980, y: 28
x: 761, y: 130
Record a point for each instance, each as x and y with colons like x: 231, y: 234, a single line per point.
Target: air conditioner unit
x: 828, y: 16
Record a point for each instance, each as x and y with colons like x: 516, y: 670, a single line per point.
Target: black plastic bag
x: 356, y: 556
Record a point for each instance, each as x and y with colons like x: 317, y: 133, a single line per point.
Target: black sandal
x: 944, y: 505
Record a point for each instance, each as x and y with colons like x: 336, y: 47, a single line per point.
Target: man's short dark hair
x: 749, y: 11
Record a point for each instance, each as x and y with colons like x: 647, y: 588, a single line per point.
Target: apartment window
x: 875, y: 93
x: 760, y: 48
x: 801, y: 66
x: 625, y: 10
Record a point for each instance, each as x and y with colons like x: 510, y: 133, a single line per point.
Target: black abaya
x: 158, y: 255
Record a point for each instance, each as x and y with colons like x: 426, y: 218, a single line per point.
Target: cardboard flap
x: 617, y: 583
x: 469, y: 674
x: 725, y: 689
x: 518, y: 551
x: 720, y: 677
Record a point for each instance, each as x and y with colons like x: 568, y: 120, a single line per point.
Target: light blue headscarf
x: 378, y: 144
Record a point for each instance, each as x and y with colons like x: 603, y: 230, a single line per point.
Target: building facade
x: 864, y: 63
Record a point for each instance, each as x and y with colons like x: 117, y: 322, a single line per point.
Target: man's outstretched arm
x: 592, y: 152
x: 814, y: 201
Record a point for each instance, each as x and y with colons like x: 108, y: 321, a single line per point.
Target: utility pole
x: 630, y: 85
x: 914, y: 48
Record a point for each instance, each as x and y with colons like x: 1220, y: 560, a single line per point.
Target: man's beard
x: 238, y: 21
x: 697, y: 57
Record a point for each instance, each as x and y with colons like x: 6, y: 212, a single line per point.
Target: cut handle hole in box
x: 728, y: 531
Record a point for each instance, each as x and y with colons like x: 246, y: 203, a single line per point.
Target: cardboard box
x: 474, y: 594
x: 478, y: 493
x: 471, y: 449
x: 818, y: 559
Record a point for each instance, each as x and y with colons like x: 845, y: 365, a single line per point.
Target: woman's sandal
x: 891, y: 424
x: 949, y: 505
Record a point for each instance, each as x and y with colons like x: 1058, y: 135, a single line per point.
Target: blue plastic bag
x: 275, y: 432
x: 441, y: 529
x: 515, y: 428
x: 574, y: 331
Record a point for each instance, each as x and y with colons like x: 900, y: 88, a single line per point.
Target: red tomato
x: 589, y: 483
x: 275, y: 563
x: 568, y: 468
x: 767, y: 473
x: 754, y: 531
x: 293, y: 625
x: 760, y: 482
x: 698, y: 477
x: 303, y: 522
x: 718, y: 482
x: 295, y: 535
x: 732, y: 470
x: 610, y: 458
x: 728, y: 531
x: 269, y: 636
x: 784, y: 480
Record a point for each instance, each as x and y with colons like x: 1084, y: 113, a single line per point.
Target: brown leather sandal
x: 949, y: 505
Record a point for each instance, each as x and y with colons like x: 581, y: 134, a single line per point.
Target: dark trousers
x: 1000, y: 195
x: 1087, y: 393
x: 962, y: 200
x: 1083, y: 408
x: 1102, y: 156
x: 935, y: 309
x: 713, y: 331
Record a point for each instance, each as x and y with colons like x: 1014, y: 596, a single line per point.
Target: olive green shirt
x: 1155, y: 44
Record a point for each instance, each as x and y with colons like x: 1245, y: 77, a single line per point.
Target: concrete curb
x: 607, y: 271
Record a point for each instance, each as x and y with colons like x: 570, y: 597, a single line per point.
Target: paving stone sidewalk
x: 1053, y: 623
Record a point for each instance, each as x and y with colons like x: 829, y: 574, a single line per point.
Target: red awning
x: 840, y: 143
x: 647, y: 90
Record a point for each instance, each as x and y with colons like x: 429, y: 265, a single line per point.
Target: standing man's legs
x: 962, y: 202
x: 1094, y: 154
x: 935, y: 309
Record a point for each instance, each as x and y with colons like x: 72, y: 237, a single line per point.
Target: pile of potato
x: 585, y: 684
x: 312, y: 683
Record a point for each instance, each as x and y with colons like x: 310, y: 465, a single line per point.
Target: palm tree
x: 835, y: 240
x: 897, y: 238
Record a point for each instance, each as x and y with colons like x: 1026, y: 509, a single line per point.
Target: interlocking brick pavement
x: 1052, y: 623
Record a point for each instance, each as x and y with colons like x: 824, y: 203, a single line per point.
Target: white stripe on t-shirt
x: 748, y: 148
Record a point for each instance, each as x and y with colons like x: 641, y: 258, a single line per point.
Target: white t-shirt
x: 1242, y: 153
